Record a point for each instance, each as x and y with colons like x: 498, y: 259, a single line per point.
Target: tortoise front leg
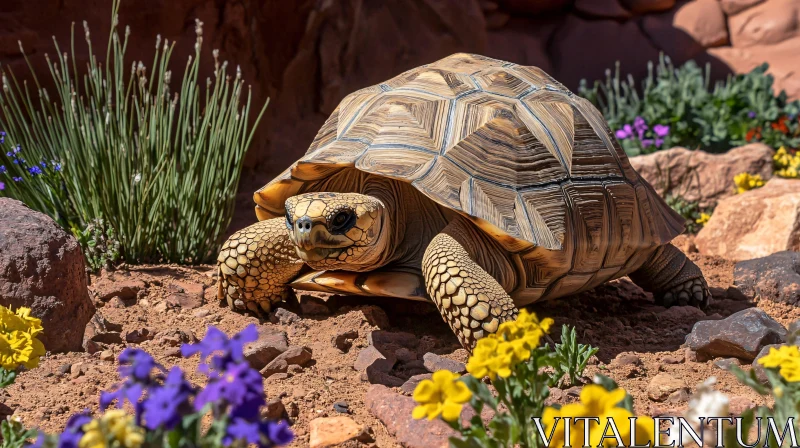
x: 255, y: 266
x: 672, y: 278
x: 470, y: 300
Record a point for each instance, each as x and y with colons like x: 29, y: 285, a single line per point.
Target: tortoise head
x: 337, y: 231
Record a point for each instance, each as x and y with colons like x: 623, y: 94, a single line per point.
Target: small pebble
x: 342, y: 407
x: 106, y: 355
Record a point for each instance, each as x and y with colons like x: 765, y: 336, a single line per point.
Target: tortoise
x: 480, y: 184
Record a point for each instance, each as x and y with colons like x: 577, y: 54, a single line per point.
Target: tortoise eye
x: 343, y: 221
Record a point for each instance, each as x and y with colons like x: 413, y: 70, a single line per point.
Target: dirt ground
x: 618, y: 318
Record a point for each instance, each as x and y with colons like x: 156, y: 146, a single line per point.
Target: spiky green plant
x: 160, y: 166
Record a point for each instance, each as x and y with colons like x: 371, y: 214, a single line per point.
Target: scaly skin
x: 470, y: 300
x: 672, y: 278
x: 255, y: 266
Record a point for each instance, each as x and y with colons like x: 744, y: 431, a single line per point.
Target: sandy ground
x: 617, y: 318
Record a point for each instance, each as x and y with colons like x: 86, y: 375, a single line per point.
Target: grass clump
x: 158, y: 165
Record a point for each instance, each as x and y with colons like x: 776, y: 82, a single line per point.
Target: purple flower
x: 625, y: 132
x: 2, y: 137
x: 2, y: 186
x: 751, y: 114
x: 43, y: 164
x: 17, y: 179
x: 72, y: 432
x: 240, y: 386
x: 241, y: 429
x: 661, y: 130
x: 56, y: 166
x: 34, y: 170
x: 278, y: 433
x: 216, y: 341
x: 131, y: 392
x: 640, y: 126
x: 163, y: 405
x: 646, y: 142
x: 140, y: 365
x: 2, y: 169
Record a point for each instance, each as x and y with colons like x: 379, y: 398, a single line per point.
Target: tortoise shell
x: 533, y: 165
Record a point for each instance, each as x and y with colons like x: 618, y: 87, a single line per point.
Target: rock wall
x: 306, y: 55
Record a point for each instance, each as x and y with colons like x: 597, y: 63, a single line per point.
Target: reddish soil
x: 617, y: 318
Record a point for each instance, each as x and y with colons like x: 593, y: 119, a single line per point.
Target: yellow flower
x: 747, y: 181
x: 497, y: 353
x: 114, y: 425
x: 787, y: 359
x: 19, y: 348
x: 703, y: 219
x: 596, y: 402
x: 33, y: 325
x: 444, y: 396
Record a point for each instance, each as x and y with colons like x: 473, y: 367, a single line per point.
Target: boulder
x: 768, y: 23
x: 741, y: 335
x: 331, y: 431
x: 775, y: 277
x: 687, y: 30
x: 761, y: 372
x: 756, y: 223
x: 532, y: 7
x: 608, y: 9
x: 394, y: 410
x: 663, y: 385
x: 701, y: 176
x: 42, y: 268
x: 784, y: 65
x: 647, y: 6
x: 731, y: 7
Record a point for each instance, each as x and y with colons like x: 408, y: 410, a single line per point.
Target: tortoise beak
x: 302, y: 233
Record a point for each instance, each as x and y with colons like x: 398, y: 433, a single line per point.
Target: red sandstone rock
x: 768, y: 23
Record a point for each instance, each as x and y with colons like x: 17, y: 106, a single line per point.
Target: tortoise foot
x: 673, y: 279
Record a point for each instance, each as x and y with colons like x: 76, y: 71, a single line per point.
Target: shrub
x: 168, y: 410
x: 159, y: 166
x: 677, y: 107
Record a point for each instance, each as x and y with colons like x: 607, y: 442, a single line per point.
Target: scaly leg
x: 673, y: 279
x: 470, y: 300
x: 255, y: 266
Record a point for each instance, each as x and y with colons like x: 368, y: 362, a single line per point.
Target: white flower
x: 706, y: 403
x: 137, y: 178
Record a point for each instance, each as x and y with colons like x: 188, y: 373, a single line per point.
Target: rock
x: 405, y: 355
x: 741, y: 335
x: 274, y: 410
x: 42, y: 268
x: 434, y: 362
x: 108, y: 337
x: 65, y: 369
x: 411, y: 383
x: 284, y: 316
x: 201, y: 313
x: 127, y: 290
x: 756, y: 223
x: 663, y: 385
x: 106, y: 355
x: 138, y: 336
x: 739, y: 405
x: 341, y: 407
x: 374, y: 315
x: 578, y: 54
x: 330, y: 431
x: 180, y: 300
x: 396, y: 338
x: 682, y: 314
x: 676, y: 359
x: 375, y: 375
x: 700, y: 176
x: 313, y: 305
x: 768, y: 23
x: 372, y: 356
x: 610, y: 9
x: 268, y: 346
x: 760, y: 371
x: 731, y: 7
x: 691, y: 355
x: 294, y: 355
x: 775, y: 277
x: 726, y: 363
x: 176, y: 338
x: 624, y: 359
x: 647, y: 6
x: 686, y: 31
x: 522, y: 40
x: 191, y: 288
x: 344, y: 340
x: 394, y: 410
x: 678, y: 396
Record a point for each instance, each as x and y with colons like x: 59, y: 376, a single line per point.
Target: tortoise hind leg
x: 672, y: 278
x: 470, y: 300
x: 256, y: 265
